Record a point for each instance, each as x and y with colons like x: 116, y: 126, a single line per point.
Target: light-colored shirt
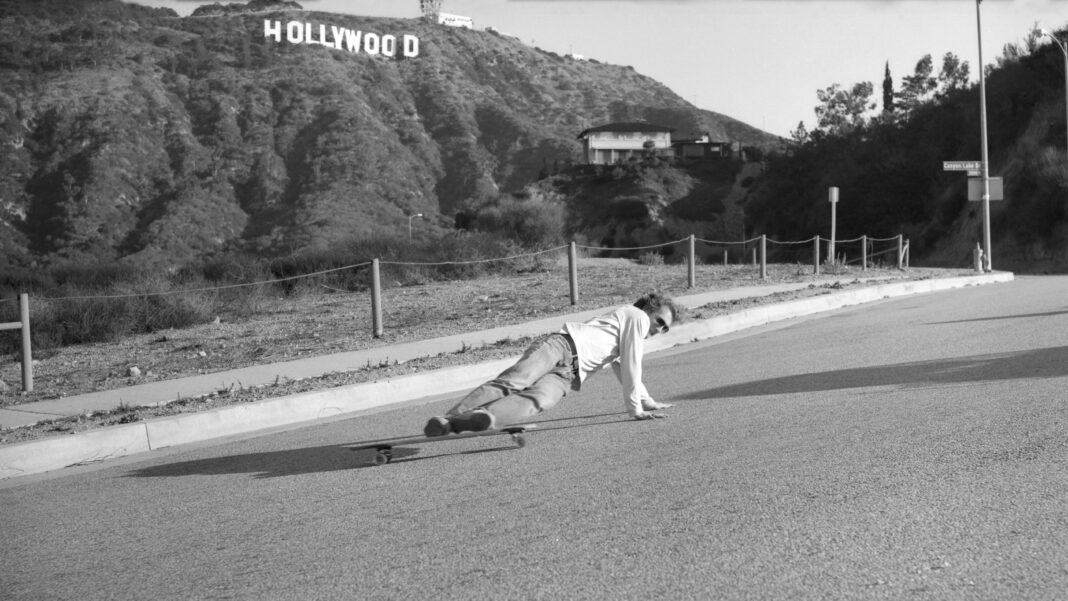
x: 616, y: 338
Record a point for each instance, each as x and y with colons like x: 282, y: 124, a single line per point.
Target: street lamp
x: 410, y: 217
x: 986, y: 155
x: 1064, y: 50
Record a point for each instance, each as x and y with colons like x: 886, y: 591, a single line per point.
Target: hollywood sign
x: 341, y: 38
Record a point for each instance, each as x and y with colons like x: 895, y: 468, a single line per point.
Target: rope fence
x: 863, y: 251
x: 474, y: 261
x: 210, y: 288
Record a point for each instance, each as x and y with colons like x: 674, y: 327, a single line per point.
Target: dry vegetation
x: 320, y: 321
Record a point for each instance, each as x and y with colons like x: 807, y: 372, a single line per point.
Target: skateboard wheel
x: 520, y: 440
x: 382, y: 457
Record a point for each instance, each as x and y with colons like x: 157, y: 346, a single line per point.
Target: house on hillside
x: 701, y: 147
x: 616, y: 142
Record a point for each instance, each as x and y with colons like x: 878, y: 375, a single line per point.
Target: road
x: 913, y: 448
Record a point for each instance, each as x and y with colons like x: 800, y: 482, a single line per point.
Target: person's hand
x: 651, y: 405
x: 649, y: 415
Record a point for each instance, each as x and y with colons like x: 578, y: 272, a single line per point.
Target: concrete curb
x: 762, y: 315
x: 100, y: 445
x: 165, y: 391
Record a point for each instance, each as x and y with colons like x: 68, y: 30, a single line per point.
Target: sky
x: 758, y: 61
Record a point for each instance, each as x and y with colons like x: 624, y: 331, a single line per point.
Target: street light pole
x: 1064, y: 50
x: 988, y: 263
x: 410, y: 217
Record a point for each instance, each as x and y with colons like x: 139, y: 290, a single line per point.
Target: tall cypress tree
x: 888, y: 91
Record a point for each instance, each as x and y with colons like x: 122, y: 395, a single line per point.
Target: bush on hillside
x: 58, y: 322
x: 533, y: 222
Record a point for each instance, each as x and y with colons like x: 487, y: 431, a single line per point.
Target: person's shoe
x: 437, y: 426
x: 476, y: 420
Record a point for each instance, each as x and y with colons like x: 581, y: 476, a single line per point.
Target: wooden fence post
x: 900, y: 250
x: 572, y: 271
x: 864, y: 253
x: 763, y: 257
x: 816, y: 255
x: 691, y: 256
x: 376, y: 298
x: 27, y: 355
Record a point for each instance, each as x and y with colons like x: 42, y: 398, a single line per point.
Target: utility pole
x: 410, y: 217
x: 987, y: 251
x: 1064, y: 50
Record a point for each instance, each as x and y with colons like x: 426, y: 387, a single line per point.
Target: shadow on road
x: 999, y: 317
x: 310, y: 460
x: 273, y: 464
x: 1037, y: 363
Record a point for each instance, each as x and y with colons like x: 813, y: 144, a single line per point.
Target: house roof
x: 638, y: 126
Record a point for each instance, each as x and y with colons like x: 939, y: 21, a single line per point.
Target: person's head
x: 662, y: 311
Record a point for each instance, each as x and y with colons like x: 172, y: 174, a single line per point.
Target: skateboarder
x: 561, y: 362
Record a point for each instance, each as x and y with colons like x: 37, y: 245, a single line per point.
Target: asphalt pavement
x: 161, y: 392
x: 909, y: 448
x: 109, y: 443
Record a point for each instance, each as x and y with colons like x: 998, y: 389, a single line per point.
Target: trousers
x: 537, y: 382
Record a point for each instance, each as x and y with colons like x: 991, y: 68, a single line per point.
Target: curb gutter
x: 95, y: 446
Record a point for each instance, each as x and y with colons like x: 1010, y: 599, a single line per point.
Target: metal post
x: 691, y: 257
x: 986, y: 155
x: 900, y: 250
x: 1064, y: 50
x: 763, y: 257
x: 816, y: 254
x: 832, y: 197
x: 572, y: 271
x: 27, y: 355
x: 376, y: 298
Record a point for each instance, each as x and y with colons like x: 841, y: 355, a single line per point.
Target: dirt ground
x: 330, y: 321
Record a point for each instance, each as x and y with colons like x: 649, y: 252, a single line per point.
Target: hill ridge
x: 143, y: 137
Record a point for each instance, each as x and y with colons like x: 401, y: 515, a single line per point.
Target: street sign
x: 962, y: 165
x: 975, y: 189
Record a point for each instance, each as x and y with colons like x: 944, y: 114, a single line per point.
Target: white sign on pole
x: 975, y: 189
x: 962, y: 165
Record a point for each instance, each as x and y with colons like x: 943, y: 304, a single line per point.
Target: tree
x: 842, y: 111
x: 954, y: 75
x: 917, y: 88
x: 800, y: 135
x: 1013, y: 52
x: 888, y: 91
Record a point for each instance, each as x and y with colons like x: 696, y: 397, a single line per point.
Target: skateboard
x: 384, y: 448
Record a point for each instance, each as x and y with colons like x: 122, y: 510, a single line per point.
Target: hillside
x: 891, y: 178
x: 130, y: 134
